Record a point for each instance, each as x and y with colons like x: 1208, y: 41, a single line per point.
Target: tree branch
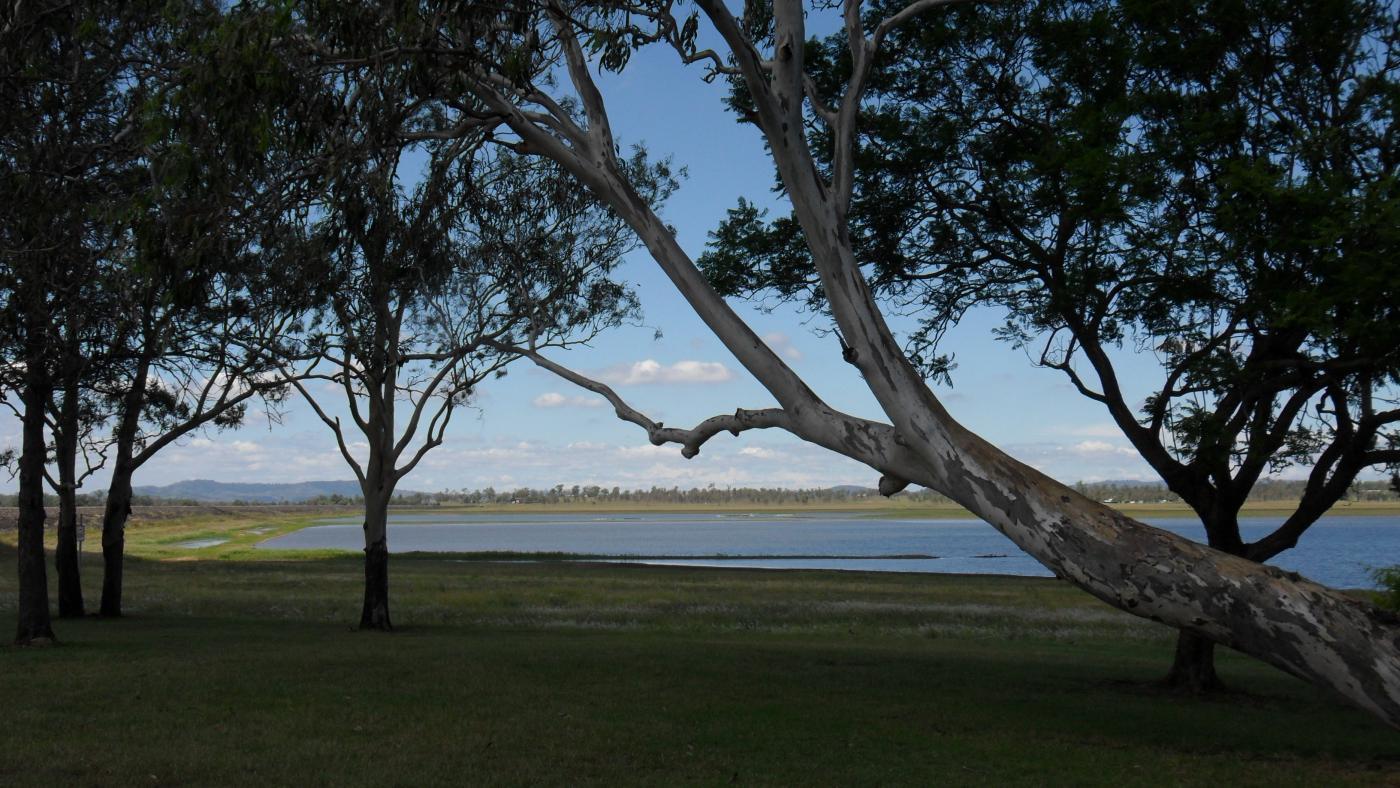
x: 690, y: 440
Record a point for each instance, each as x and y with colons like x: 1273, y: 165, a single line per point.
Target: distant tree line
x: 1282, y: 490
x: 710, y: 495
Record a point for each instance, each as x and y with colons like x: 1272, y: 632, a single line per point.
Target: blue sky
x: 531, y: 429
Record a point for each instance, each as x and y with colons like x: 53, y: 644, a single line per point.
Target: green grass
x: 248, y: 671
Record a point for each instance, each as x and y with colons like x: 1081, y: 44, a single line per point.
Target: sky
x: 534, y: 430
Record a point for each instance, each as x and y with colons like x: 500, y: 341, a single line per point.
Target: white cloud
x: 782, y: 345
x: 1101, y: 447
x: 647, y: 450
x: 1086, y: 460
x: 1106, y: 429
x: 553, y: 399
x: 653, y: 371
x: 757, y: 452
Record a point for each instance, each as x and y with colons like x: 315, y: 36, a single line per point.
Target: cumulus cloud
x: 782, y: 345
x: 652, y: 371
x: 553, y: 399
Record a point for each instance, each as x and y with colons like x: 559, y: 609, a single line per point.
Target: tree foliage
x: 1211, y: 183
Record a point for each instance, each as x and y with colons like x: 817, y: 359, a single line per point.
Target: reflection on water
x: 1338, y: 551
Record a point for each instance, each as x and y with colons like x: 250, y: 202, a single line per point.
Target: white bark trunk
x: 1304, y: 628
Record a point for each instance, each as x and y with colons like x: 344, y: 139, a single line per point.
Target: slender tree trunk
x: 375, y: 612
x: 119, y: 494
x: 377, y: 486
x: 114, y: 540
x: 1193, y: 667
x: 34, y: 626
x: 70, y: 588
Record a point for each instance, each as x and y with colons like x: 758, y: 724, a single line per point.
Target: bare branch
x: 334, y: 424
x: 690, y: 440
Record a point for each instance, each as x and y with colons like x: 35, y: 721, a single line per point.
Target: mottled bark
x: 34, y: 624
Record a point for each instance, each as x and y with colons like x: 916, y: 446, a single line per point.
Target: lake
x: 1337, y: 551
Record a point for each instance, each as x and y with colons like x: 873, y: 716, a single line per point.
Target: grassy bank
x: 248, y: 671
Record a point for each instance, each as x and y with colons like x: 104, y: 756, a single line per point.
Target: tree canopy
x: 1214, y: 184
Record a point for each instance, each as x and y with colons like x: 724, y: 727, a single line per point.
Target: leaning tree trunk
x: 34, y: 624
x: 1193, y: 662
x: 1309, y: 630
x: 70, y: 588
x: 374, y: 614
x: 118, y: 509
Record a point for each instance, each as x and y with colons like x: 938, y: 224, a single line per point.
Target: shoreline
x: 148, y: 514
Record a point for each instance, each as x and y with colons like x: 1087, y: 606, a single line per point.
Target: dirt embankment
x: 92, y: 515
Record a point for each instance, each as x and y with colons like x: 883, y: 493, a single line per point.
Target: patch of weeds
x: 1388, y: 579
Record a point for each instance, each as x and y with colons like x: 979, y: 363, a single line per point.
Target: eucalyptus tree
x: 439, y: 250
x: 212, y: 227
x: 65, y: 139
x: 427, y: 281
x: 80, y: 343
x: 497, y: 65
x: 1212, y: 183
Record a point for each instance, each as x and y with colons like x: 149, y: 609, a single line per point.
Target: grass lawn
x: 238, y: 670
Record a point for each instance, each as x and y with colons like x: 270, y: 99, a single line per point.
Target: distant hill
x: 209, y: 491
x: 854, y: 489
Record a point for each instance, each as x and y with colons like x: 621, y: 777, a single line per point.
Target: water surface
x: 1337, y: 551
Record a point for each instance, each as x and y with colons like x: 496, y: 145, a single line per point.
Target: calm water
x: 1337, y: 551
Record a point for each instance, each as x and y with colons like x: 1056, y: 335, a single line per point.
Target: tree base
x: 378, y: 621
x: 374, y: 614
x: 36, y: 640
x: 1193, y: 669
